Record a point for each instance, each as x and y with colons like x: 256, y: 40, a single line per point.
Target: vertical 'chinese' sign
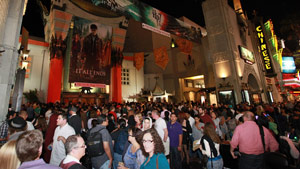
x: 264, y: 51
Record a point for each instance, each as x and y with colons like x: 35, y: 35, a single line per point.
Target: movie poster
x: 90, y: 55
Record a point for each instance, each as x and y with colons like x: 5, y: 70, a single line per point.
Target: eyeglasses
x: 147, y: 141
x: 83, y: 146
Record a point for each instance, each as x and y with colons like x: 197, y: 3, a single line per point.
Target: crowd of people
x: 151, y: 135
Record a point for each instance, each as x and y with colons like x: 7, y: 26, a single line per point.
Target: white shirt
x: 237, y: 117
x: 58, y: 148
x: 207, y: 149
x: 191, y: 120
x: 29, y: 126
x: 48, y: 115
x: 160, y: 125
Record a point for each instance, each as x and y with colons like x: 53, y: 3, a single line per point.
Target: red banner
x: 185, y: 46
x: 138, y: 60
x: 161, y: 57
x: 55, y: 77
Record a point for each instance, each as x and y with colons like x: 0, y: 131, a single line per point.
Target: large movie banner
x: 144, y: 13
x: 90, y: 55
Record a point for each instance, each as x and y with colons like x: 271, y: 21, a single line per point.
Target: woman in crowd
x: 139, y: 120
x: 41, y: 124
x: 93, y: 115
x: 111, y: 123
x: 147, y: 123
x: 133, y: 157
x: 8, y: 156
x: 186, y: 128
x: 217, y: 122
x: 210, y: 146
x: 153, y: 149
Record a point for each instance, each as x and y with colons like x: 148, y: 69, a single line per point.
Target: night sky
x: 268, y: 9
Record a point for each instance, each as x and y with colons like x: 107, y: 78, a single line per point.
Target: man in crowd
x: 62, y: 131
x: 75, y: 120
x: 247, y: 136
x: 161, y: 128
x: 205, y: 117
x: 175, y: 134
x: 105, y: 160
x: 75, y: 149
x: 162, y: 114
x: 17, y: 126
x: 24, y: 115
x: 29, y: 149
x: 4, y: 127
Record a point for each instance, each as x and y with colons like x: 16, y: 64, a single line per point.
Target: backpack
x: 95, y: 144
x: 121, y: 141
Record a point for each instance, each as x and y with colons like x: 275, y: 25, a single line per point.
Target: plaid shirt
x: 3, y: 131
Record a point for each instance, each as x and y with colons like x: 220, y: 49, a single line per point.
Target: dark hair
x: 122, y: 123
x: 158, y: 144
x: 131, y: 121
x: 181, y: 117
x: 241, y: 119
x: 102, y: 118
x: 93, y: 27
x: 28, y: 145
x: 94, y: 123
x: 109, y: 116
x: 10, y: 113
x: 64, y: 115
x: 135, y: 131
x: 71, y: 142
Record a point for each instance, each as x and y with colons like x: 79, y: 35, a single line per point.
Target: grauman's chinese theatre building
x: 129, y: 55
x: 131, y: 48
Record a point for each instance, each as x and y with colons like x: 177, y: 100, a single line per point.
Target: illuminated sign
x: 247, y: 55
x: 288, y: 64
x: 264, y: 51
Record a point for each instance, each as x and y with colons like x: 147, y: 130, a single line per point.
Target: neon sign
x: 264, y: 51
x: 288, y: 64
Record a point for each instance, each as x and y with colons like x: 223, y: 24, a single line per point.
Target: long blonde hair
x: 8, y: 156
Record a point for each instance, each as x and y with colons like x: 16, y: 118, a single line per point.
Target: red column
x: 116, y: 84
x: 55, y: 78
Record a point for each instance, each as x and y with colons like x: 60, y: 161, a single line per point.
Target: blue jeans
x: 117, y: 159
x: 105, y: 165
x: 217, y: 164
x: 175, y: 158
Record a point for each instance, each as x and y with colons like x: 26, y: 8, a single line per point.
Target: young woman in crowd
x: 216, y: 121
x: 186, y: 128
x: 133, y: 157
x: 8, y: 156
x: 153, y: 149
x: 147, y: 123
x: 139, y: 120
x: 210, y: 146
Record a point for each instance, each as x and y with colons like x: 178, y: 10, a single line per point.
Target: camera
x: 236, y: 153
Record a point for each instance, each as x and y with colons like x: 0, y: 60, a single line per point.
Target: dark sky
x: 268, y: 9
